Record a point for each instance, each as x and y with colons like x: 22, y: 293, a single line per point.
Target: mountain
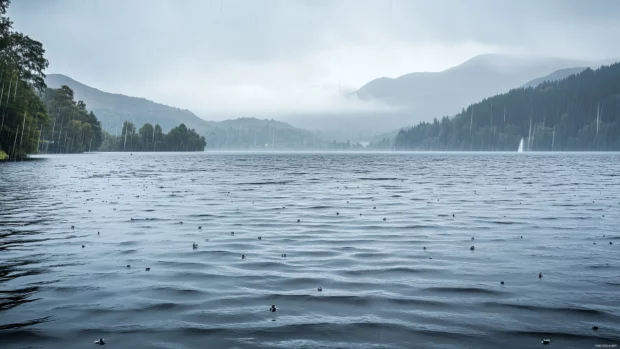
x: 555, y: 76
x: 113, y: 109
x: 423, y: 96
x: 579, y: 113
x: 242, y: 133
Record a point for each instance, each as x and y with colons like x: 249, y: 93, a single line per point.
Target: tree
x: 158, y: 136
x: 72, y: 128
x: 22, y: 63
x: 128, y: 128
x: 146, y: 136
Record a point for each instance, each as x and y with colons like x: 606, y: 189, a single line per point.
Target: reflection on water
x: 386, y: 236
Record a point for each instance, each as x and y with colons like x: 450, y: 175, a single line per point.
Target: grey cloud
x: 186, y: 52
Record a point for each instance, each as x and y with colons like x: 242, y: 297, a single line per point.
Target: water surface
x: 356, y: 225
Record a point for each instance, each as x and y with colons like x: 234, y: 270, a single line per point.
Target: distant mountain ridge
x: 555, y: 76
x: 243, y: 133
x: 578, y: 113
x: 423, y: 96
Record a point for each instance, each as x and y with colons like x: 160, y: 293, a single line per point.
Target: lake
x: 386, y: 236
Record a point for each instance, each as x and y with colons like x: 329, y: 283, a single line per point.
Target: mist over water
x: 364, y: 222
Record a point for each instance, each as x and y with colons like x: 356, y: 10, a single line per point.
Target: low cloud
x: 222, y: 58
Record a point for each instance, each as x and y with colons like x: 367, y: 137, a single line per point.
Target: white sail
x: 520, y: 146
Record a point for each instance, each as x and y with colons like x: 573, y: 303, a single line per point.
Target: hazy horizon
x: 226, y: 59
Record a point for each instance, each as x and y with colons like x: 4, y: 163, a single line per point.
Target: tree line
x: 579, y: 113
x: 34, y: 118
x: 151, y: 138
x: 22, y: 113
x: 72, y: 128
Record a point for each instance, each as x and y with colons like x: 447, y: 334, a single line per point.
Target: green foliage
x: 579, y: 113
x: 151, y: 138
x: 253, y: 133
x: 344, y: 146
x: 72, y: 128
x: 22, y: 115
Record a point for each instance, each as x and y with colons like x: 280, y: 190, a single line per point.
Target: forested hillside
x: 579, y: 113
x: 114, y: 109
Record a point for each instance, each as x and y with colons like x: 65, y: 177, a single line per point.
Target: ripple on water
x: 379, y: 287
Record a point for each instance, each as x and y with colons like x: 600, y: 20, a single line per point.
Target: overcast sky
x: 223, y: 57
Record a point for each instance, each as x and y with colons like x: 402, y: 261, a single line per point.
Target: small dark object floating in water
x: 199, y: 227
x: 299, y: 220
x: 148, y: 269
x: 242, y: 256
x: 337, y: 213
x: 273, y: 309
x: 453, y: 215
x: 472, y: 248
x: 232, y: 233
x: 424, y: 247
x: 594, y: 243
x: 89, y: 211
x: 502, y: 283
x: 384, y: 219
x: 521, y: 236
x: 430, y: 257
x: 100, y: 341
x: 72, y: 227
x: 97, y: 233
x: 283, y: 255
x: 320, y: 289
x: 472, y: 237
x: 611, y: 243
x: 540, y: 275
x: 128, y: 266
x: 180, y: 222
x: 595, y: 328
x: 374, y: 208
x: 194, y: 245
x: 260, y: 238
x: 82, y: 246
x: 546, y: 341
